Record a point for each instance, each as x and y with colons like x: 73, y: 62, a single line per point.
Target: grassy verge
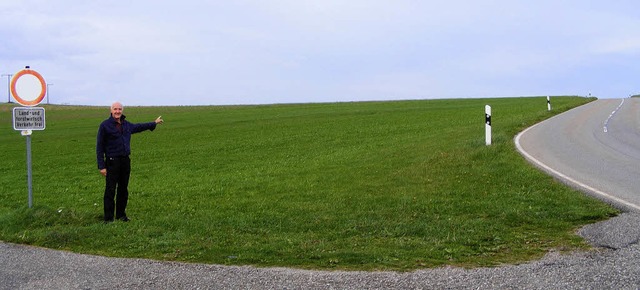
x: 359, y: 186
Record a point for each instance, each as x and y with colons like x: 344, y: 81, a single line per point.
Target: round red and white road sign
x: 28, y: 87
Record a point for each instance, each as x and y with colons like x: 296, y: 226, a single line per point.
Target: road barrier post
x: 487, y: 120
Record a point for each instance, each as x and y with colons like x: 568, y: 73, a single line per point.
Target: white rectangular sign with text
x: 28, y: 118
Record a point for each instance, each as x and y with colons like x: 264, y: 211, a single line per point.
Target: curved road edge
x: 618, y: 203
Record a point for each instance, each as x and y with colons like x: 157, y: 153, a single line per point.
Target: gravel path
x: 614, y: 264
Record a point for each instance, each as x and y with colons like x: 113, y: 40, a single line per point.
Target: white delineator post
x: 548, y: 104
x: 487, y: 126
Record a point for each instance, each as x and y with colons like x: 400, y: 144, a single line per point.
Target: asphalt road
x: 569, y: 146
x: 595, y: 148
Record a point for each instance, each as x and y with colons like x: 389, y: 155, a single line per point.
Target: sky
x: 292, y: 51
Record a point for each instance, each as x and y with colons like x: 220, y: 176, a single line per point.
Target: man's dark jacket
x: 114, y: 140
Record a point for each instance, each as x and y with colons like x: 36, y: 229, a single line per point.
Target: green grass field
x: 357, y: 186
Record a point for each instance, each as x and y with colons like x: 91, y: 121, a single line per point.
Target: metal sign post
x: 28, y: 89
x: 26, y: 119
x: 27, y: 133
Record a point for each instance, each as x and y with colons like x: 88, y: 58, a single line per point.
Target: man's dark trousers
x: 118, y: 171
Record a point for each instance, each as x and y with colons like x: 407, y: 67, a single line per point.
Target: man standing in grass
x: 113, y: 147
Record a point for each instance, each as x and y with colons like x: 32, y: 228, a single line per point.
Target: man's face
x: 116, y: 111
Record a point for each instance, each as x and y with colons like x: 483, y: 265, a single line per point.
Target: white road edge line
x: 606, y: 123
x: 556, y: 173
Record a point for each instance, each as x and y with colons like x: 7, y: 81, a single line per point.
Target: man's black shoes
x: 122, y: 219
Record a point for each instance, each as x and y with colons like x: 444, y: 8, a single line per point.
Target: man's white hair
x: 115, y: 104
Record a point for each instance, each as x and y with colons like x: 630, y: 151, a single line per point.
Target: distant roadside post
x: 487, y: 126
x: 548, y: 104
x: 28, y: 88
x: 8, y: 87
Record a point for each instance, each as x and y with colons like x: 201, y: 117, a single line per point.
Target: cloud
x: 220, y: 52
